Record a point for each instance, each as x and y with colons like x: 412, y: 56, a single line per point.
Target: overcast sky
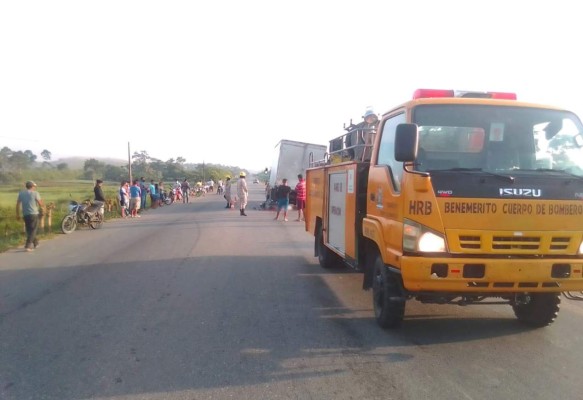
x: 224, y: 81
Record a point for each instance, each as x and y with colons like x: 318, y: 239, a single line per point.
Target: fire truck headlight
x: 580, y: 248
x: 431, y: 243
x: 418, y: 238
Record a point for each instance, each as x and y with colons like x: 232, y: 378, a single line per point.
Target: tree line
x: 18, y: 165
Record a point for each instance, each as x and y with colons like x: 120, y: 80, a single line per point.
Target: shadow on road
x: 198, y: 323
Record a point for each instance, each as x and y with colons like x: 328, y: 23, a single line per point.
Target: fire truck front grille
x: 511, y: 242
x: 470, y: 242
x: 505, y: 243
x: 560, y: 243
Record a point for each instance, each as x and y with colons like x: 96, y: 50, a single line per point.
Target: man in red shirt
x: 301, y: 197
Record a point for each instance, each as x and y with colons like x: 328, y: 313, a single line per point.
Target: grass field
x: 58, y: 193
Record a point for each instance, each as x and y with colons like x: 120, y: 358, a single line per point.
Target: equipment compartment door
x: 337, y: 211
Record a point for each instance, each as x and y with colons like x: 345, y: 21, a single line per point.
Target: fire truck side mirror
x: 406, y: 141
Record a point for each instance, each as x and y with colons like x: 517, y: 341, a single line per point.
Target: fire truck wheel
x: 541, y: 310
x: 388, y: 301
x: 327, y: 258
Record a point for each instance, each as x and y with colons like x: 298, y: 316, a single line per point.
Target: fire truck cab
x: 455, y: 198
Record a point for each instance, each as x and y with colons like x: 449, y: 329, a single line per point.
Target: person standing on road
x: 177, y: 188
x: 161, y: 193
x: 228, y: 191
x: 144, y: 191
x: 282, y: 193
x: 185, y: 187
x: 301, y: 197
x: 153, y: 194
x: 135, y: 199
x: 31, y: 204
x: 242, y: 193
x: 98, y: 191
x: 124, y: 198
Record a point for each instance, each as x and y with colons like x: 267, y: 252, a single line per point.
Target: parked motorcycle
x: 177, y: 194
x: 199, y: 191
x: 84, y: 214
x: 166, y: 198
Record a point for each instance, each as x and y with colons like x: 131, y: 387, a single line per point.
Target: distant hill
x: 79, y: 162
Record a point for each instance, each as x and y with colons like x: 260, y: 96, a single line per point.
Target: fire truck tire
x: 327, y: 258
x: 540, y: 311
x: 388, y: 299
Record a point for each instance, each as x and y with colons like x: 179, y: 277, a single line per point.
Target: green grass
x: 57, y: 192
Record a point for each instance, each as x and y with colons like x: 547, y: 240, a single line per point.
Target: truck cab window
x: 444, y: 147
x: 498, y: 139
x: 386, y: 154
x: 559, y: 145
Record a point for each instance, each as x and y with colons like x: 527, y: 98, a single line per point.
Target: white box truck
x: 290, y: 159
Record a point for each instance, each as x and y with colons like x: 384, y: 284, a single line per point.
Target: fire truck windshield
x: 498, y: 138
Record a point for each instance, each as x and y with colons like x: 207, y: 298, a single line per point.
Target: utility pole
x: 129, y: 163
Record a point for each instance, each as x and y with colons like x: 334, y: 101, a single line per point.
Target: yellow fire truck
x: 455, y: 198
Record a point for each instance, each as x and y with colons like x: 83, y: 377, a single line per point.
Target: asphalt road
x: 193, y: 301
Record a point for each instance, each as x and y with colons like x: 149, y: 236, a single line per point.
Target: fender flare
x: 372, y: 231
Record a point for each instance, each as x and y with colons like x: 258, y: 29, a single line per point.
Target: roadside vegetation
x: 56, y: 196
x: 58, y: 185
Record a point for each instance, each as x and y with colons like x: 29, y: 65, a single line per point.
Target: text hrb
x: 417, y: 207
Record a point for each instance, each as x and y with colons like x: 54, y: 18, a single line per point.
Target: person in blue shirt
x: 153, y: 195
x: 135, y: 198
x: 144, y: 190
x: 31, y: 204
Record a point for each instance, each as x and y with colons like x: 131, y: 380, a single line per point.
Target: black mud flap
x: 316, y: 252
x: 368, y: 276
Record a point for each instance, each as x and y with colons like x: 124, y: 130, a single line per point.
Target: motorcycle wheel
x: 68, y: 224
x: 96, y: 221
x: 168, y: 201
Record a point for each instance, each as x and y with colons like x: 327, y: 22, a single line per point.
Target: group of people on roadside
x: 282, y: 193
x: 130, y: 198
x: 133, y: 197
x: 241, y: 195
x: 181, y: 190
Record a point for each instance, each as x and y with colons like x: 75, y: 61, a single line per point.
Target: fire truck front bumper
x: 491, y: 275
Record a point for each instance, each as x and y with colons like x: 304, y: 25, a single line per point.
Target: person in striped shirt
x: 301, y: 197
